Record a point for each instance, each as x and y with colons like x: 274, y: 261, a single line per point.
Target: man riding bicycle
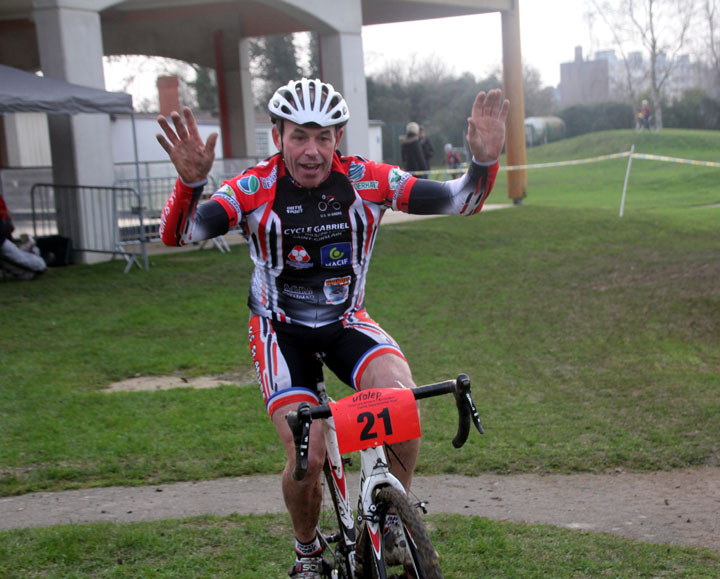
x: 311, y: 217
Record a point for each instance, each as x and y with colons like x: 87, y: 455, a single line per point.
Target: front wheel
x: 413, y: 555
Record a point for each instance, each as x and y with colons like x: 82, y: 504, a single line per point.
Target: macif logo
x: 336, y: 254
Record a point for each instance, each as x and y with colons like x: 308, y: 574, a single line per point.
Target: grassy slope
x: 592, y: 340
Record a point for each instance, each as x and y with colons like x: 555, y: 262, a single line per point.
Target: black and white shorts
x: 289, y: 357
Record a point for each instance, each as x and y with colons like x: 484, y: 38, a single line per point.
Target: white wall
x: 28, y: 140
x: 29, y: 144
x: 149, y: 150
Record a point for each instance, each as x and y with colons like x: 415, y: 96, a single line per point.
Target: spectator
x: 646, y: 115
x: 451, y: 157
x: 426, y: 146
x: 412, y: 155
x: 21, y: 262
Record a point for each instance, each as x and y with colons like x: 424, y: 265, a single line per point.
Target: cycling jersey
x: 312, y: 247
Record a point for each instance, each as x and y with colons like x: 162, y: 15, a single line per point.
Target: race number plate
x: 373, y: 417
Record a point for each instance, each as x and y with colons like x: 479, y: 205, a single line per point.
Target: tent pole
x: 139, y: 190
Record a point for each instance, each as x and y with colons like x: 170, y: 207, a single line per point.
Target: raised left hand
x: 486, y: 126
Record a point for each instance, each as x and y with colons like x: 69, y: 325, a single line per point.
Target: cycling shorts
x: 288, y: 358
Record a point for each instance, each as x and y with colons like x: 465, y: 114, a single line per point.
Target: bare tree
x: 274, y: 63
x: 610, y: 16
x: 539, y: 100
x: 711, y: 15
x: 660, y: 27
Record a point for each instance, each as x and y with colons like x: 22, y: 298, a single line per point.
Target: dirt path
x: 677, y: 507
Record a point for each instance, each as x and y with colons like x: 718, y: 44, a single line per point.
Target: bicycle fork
x: 347, y: 540
x: 374, y: 474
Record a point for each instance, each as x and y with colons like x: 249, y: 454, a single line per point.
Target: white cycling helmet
x: 308, y: 101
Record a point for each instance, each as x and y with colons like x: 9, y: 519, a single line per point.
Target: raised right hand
x: 192, y: 158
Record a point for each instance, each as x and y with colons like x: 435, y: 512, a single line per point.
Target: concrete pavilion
x: 66, y: 40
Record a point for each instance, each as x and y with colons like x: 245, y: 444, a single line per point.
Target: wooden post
x: 513, y: 81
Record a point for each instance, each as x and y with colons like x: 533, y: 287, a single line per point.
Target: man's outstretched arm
x: 467, y: 194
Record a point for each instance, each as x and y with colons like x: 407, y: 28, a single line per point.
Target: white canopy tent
x: 24, y: 92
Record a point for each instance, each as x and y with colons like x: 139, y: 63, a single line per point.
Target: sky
x: 549, y: 32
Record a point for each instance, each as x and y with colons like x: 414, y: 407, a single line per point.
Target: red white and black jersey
x: 312, y: 247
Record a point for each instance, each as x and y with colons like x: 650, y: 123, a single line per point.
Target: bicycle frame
x: 334, y: 460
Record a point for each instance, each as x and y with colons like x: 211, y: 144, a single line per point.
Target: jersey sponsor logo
x: 298, y: 292
x: 228, y: 199
x: 396, y: 177
x: 227, y: 190
x: 299, y: 258
x: 336, y: 254
x: 329, y: 206
x: 356, y: 172
x: 328, y: 202
x: 269, y: 181
x: 294, y: 209
x: 316, y: 229
x: 337, y: 289
x: 365, y: 185
x: 249, y: 184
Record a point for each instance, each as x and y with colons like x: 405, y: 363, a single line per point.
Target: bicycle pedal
x: 422, y: 505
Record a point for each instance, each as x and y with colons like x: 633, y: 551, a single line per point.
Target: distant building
x: 584, y: 81
x: 606, y: 77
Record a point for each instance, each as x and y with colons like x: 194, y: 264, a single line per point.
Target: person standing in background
x: 411, y: 151
x: 426, y: 146
x: 451, y: 157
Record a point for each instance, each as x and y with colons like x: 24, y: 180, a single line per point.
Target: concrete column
x: 513, y: 81
x: 237, y: 114
x: 343, y: 66
x: 240, y: 104
x: 70, y: 47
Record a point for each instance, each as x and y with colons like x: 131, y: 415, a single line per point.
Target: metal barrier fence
x: 154, y: 192
x: 105, y: 220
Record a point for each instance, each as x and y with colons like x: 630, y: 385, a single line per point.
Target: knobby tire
x: 390, y: 499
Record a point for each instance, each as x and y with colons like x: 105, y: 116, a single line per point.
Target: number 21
x: 369, y: 419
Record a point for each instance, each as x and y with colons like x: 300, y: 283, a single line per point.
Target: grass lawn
x: 257, y: 546
x: 592, y: 342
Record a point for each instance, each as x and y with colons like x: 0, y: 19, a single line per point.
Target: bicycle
x: 368, y: 421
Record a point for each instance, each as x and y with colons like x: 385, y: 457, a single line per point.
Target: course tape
x: 614, y: 156
x: 564, y: 163
x: 460, y: 171
x: 676, y: 160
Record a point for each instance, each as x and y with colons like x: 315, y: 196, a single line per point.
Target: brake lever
x: 466, y: 411
x: 299, y: 422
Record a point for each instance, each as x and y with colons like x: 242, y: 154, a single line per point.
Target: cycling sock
x: 311, y: 549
